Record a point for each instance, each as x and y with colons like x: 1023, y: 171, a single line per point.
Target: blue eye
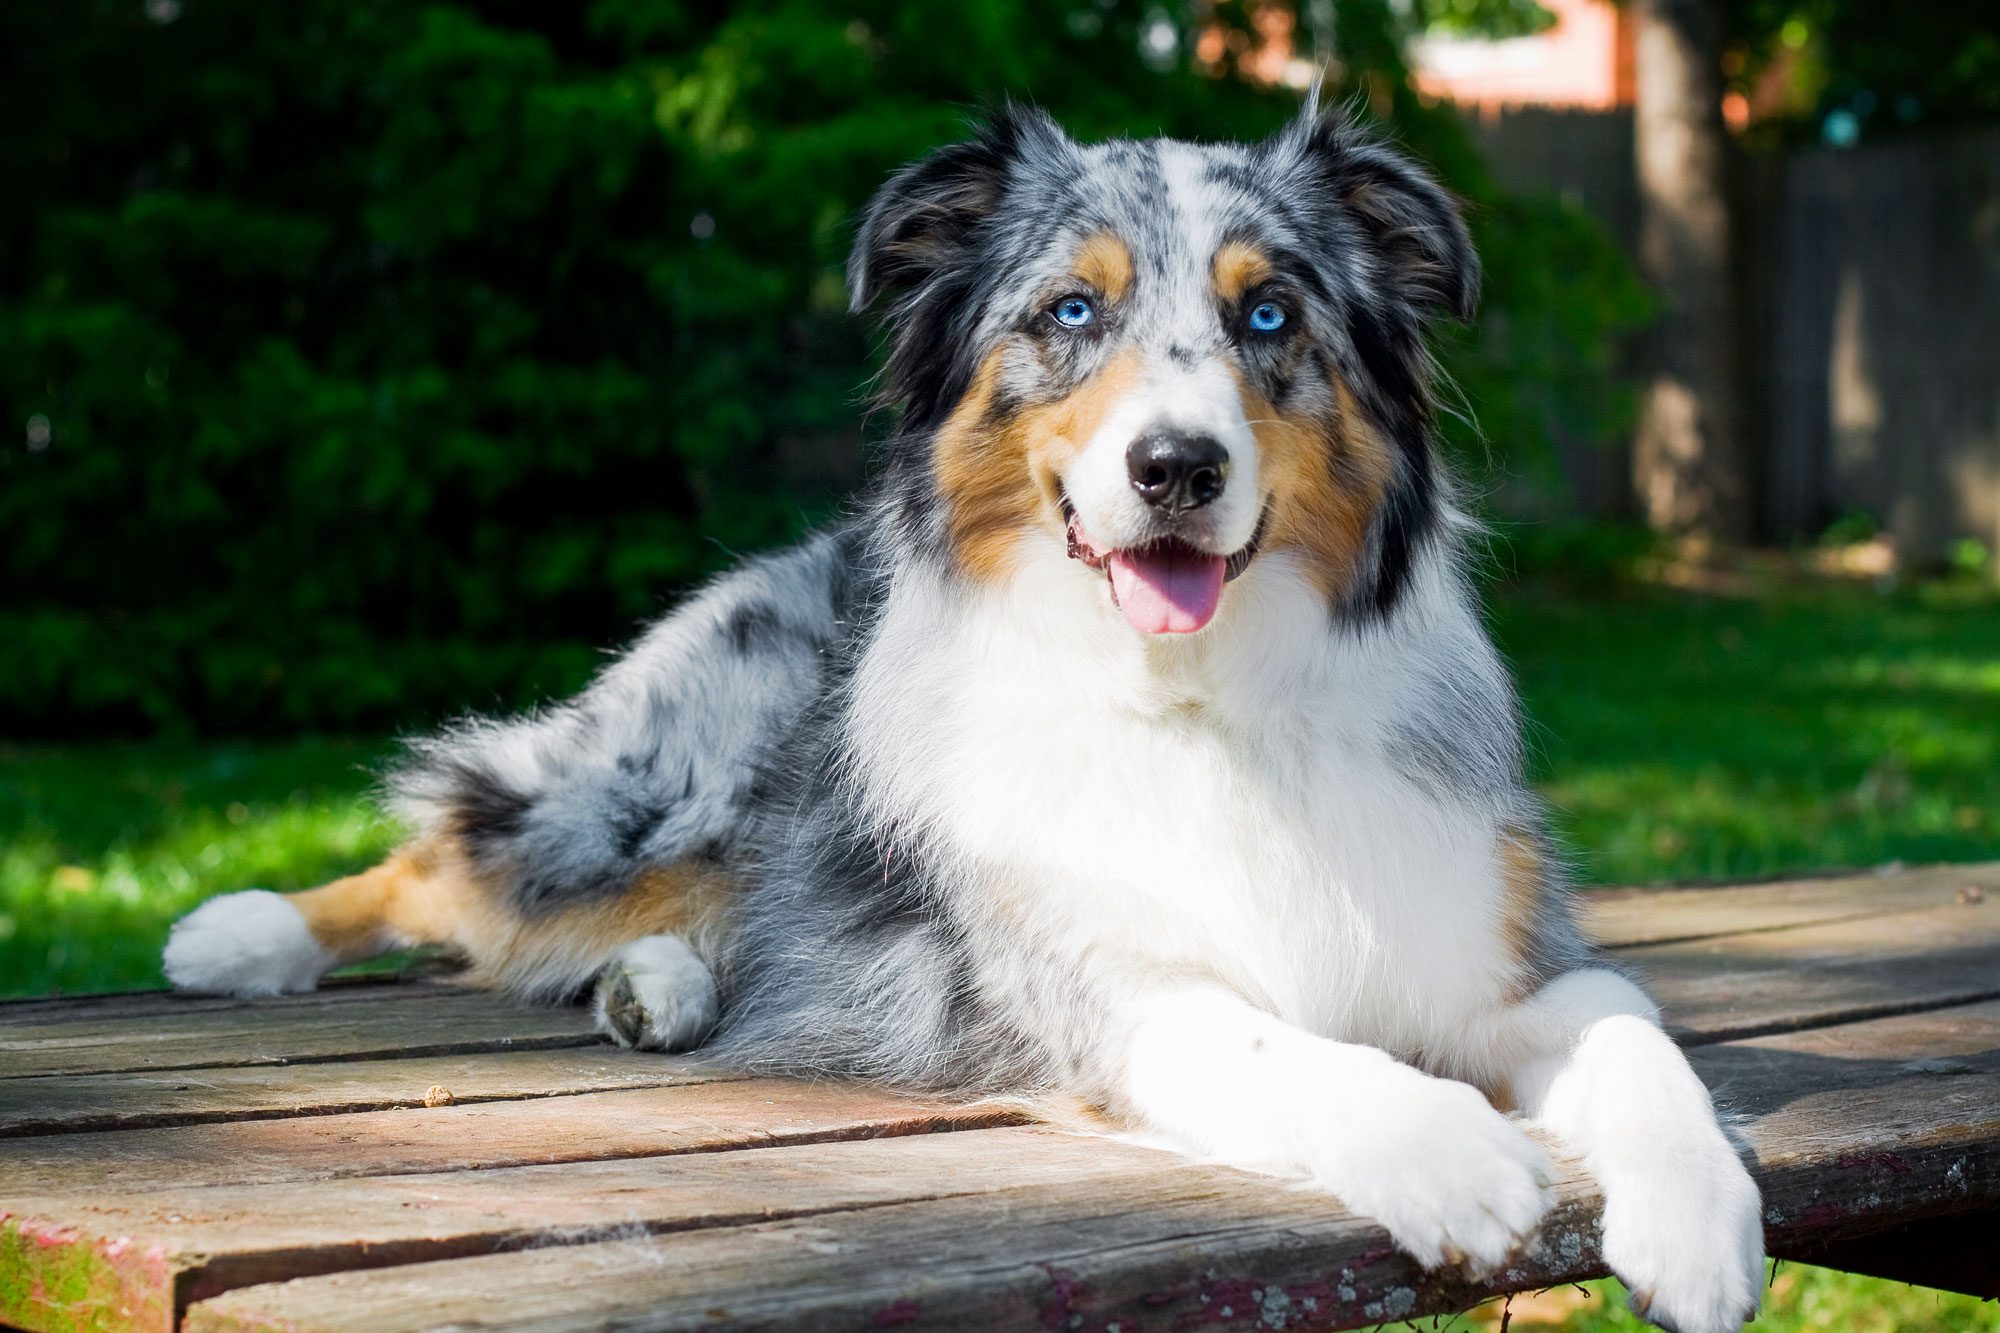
x: 1267, y: 317
x: 1073, y: 312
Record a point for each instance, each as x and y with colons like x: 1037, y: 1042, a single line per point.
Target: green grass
x: 1688, y: 737
x: 1679, y: 736
x: 102, y: 845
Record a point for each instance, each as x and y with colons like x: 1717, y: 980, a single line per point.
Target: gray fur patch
x: 646, y: 767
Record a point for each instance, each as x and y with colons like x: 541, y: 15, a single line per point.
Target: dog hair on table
x: 1135, y: 738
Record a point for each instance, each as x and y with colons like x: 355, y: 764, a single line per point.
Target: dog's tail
x: 545, y: 843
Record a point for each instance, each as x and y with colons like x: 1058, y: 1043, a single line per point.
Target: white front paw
x: 1452, y: 1179
x: 1687, y: 1237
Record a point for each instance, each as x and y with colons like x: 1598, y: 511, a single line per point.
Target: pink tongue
x: 1169, y: 589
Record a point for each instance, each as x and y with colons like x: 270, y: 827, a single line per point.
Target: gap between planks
x: 631, y: 1124
x: 1826, y: 973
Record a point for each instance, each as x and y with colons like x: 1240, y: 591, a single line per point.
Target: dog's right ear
x: 925, y: 218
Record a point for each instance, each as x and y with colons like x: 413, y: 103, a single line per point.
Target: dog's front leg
x: 1452, y: 1179
x: 1682, y: 1220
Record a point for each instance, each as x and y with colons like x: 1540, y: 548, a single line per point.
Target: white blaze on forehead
x: 1194, y: 223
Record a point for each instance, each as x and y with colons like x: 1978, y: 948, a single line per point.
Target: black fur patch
x: 485, y: 811
x: 751, y: 628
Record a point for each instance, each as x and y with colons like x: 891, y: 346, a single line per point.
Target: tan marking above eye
x: 1104, y: 263
x: 1238, y: 267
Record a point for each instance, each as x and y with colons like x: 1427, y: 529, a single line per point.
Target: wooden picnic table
x: 386, y: 1155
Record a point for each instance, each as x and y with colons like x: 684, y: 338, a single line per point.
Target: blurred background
x: 365, y: 361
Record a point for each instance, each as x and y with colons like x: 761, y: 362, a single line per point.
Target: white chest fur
x: 1226, y: 803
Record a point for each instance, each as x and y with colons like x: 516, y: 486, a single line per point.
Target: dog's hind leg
x: 655, y: 990
x: 258, y: 943
x: 547, y: 848
x: 657, y: 993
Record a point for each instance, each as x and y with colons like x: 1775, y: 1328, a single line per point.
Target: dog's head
x: 1168, y: 356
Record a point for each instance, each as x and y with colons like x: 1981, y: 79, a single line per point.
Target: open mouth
x: 1168, y: 586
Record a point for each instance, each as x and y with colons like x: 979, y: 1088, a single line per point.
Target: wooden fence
x: 1871, y: 282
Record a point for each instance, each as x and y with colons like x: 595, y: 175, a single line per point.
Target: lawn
x: 1776, y: 725
x: 1685, y: 737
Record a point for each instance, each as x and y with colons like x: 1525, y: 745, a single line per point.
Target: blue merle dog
x: 1137, y: 739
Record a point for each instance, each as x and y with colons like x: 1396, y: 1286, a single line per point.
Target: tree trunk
x: 1690, y: 460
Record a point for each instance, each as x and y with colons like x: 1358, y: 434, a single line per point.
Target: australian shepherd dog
x: 1135, y: 741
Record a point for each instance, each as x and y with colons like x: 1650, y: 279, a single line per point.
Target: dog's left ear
x: 1412, y: 222
x: 925, y: 218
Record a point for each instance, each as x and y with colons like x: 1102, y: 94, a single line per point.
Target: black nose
x: 1177, y: 472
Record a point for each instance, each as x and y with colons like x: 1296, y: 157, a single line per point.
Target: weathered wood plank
x: 378, y: 1026
x: 1140, y: 1254
x: 1809, y: 958
x: 1755, y: 982
x: 1208, y: 1249
x: 635, y: 1123
x: 1851, y: 1135
x: 1621, y: 918
x: 207, y: 1240
x: 82, y: 1103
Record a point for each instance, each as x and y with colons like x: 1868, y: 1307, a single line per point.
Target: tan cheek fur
x: 1324, y: 483
x: 999, y: 477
